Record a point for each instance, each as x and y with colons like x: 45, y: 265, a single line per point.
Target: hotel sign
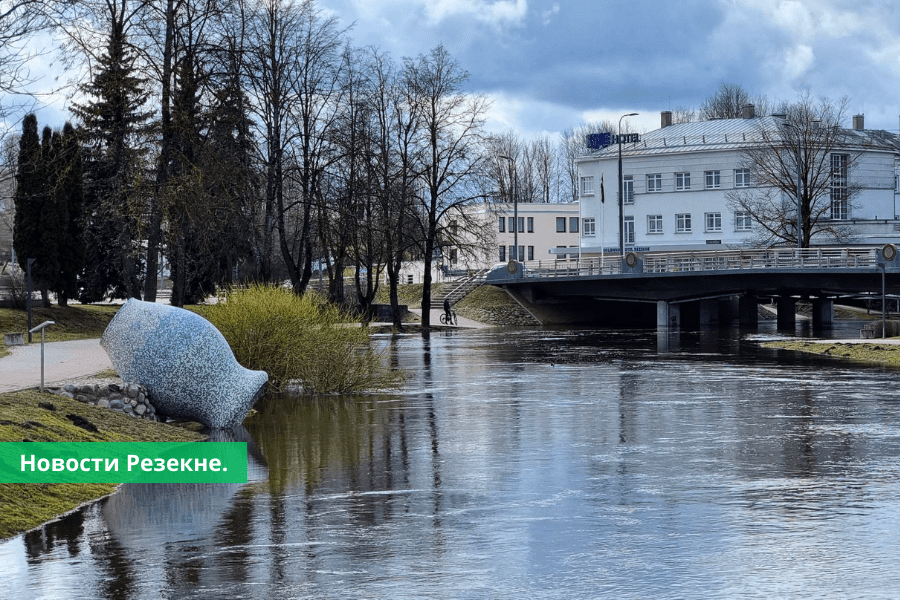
x: 595, y: 141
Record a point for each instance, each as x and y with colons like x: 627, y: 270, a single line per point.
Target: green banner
x: 121, y: 462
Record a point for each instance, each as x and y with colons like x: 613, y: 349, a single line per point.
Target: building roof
x: 725, y: 134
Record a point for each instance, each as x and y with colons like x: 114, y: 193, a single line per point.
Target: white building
x: 675, y: 180
x: 547, y: 233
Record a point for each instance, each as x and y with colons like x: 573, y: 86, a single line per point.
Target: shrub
x: 303, y: 339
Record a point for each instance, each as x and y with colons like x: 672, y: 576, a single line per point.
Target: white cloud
x: 548, y: 14
x: 798, y: 60
x: 501, y: 11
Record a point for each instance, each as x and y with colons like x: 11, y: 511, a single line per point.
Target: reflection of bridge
x: 700, y: 288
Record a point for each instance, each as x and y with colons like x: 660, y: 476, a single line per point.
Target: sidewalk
x: 461, y: 322
x: 63, y: 362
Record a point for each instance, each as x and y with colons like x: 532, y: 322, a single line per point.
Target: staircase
x: 459, y: 291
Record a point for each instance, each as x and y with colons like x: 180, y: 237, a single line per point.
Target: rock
x: 131, y: 390
x: 102, y: 392
x: 116, y: 404
x: 70, y: 388
x: 140, y: 409
x: 103, y: 403
x: 128, y: 410
x: 114, y: 387
x: 133, y: 403
x: 82, y: 398
x: 115, y: 396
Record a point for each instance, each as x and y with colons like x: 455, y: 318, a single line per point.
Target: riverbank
x: 885, y: 352
x: 28, y: 415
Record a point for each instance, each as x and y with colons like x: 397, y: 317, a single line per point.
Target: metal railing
x: 713, y: 260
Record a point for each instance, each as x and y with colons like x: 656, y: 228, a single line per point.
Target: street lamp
x: 515, y: 207
x: 799, y: 209
x: 622, y: 190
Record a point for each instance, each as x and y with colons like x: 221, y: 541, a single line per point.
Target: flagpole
x: 602, y: 223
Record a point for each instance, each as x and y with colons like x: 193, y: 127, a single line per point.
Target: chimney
x: 858, y: 122
x: 748, y: 111
x: 665, y: 118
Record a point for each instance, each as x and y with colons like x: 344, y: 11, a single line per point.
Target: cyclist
x: 447, y: 314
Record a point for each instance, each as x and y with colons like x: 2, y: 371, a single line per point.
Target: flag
x: 602, y: 191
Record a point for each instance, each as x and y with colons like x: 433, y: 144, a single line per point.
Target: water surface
x: 525, y: 464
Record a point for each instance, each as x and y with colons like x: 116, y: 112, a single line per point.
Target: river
x: 535, y: 463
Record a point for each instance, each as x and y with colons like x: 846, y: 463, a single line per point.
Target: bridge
x: 700, y: 288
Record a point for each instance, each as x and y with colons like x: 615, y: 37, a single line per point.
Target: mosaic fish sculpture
x: 184, y: 363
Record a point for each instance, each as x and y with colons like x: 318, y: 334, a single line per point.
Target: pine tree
x: 113, y: 206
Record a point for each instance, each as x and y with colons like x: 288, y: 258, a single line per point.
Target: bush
x: 303, y: 339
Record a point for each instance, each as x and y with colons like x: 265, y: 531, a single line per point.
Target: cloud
x: 547, y: 15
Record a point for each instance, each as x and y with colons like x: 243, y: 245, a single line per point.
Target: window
x: 573, y: 224
x: 628, y: 222
x: 683, y: 223
x: 502, y: 253
x: 502, y: 224
x: 682, y: 181
x: 512, y: 225
x: 628, y: 189
x: 587, y: 186
x: 742, y: 221
x: 741, y: 178
x: 452, y: 255
x: 530, y: 252
x: 521, y: 253
x: 530, y: 224
x: 521, y: 224
x: 654, y: 224
x: 840, y: 209
x: 654, y: 182
x: 560, y: 224
x: 512, y: 253
x: 714, y: 221
x: 588, y: 225
x: 713, y: 180
x: 453, y: 227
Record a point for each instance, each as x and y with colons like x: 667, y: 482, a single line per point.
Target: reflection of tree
x: 306, y: 440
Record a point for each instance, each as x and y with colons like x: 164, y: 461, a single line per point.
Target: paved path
x: 461, y: 322
x: 63, y: 362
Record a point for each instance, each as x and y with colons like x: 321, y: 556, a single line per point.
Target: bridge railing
x: 712, y: 260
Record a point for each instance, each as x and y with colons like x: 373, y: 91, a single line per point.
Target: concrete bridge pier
x: 748, y: 311
x: 668, y: 316
x: 787, y: 309
x: 709, y: 312
x: 822, y: 313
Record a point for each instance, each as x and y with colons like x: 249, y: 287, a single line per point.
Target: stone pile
x: 129, y: 398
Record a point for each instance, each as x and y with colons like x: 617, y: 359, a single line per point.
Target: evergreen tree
x: 70, y: 198
x: 113, y: 207
x: 29, y: 198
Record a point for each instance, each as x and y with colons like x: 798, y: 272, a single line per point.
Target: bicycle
x: 448, y: 321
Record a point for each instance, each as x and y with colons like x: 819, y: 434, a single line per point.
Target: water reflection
x: 541, y: 464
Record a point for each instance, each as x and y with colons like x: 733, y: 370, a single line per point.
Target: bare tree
x: 574, y: 144
x: 728, y: 103
x: 810, y: 136
x: 451, y: 149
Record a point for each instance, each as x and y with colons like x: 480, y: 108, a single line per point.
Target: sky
x: 547, y: 65
x: 551, y: 64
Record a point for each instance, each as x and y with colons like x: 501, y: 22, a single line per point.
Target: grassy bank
x: 885, y: 354
x: 29, y: 415
x: 77, y: 322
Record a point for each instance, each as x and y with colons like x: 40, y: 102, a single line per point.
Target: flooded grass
x: 885, y: 354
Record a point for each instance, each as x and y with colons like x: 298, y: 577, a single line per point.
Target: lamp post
x: 622, y: 190
x: 515, y: 208
x: 799, y: 209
